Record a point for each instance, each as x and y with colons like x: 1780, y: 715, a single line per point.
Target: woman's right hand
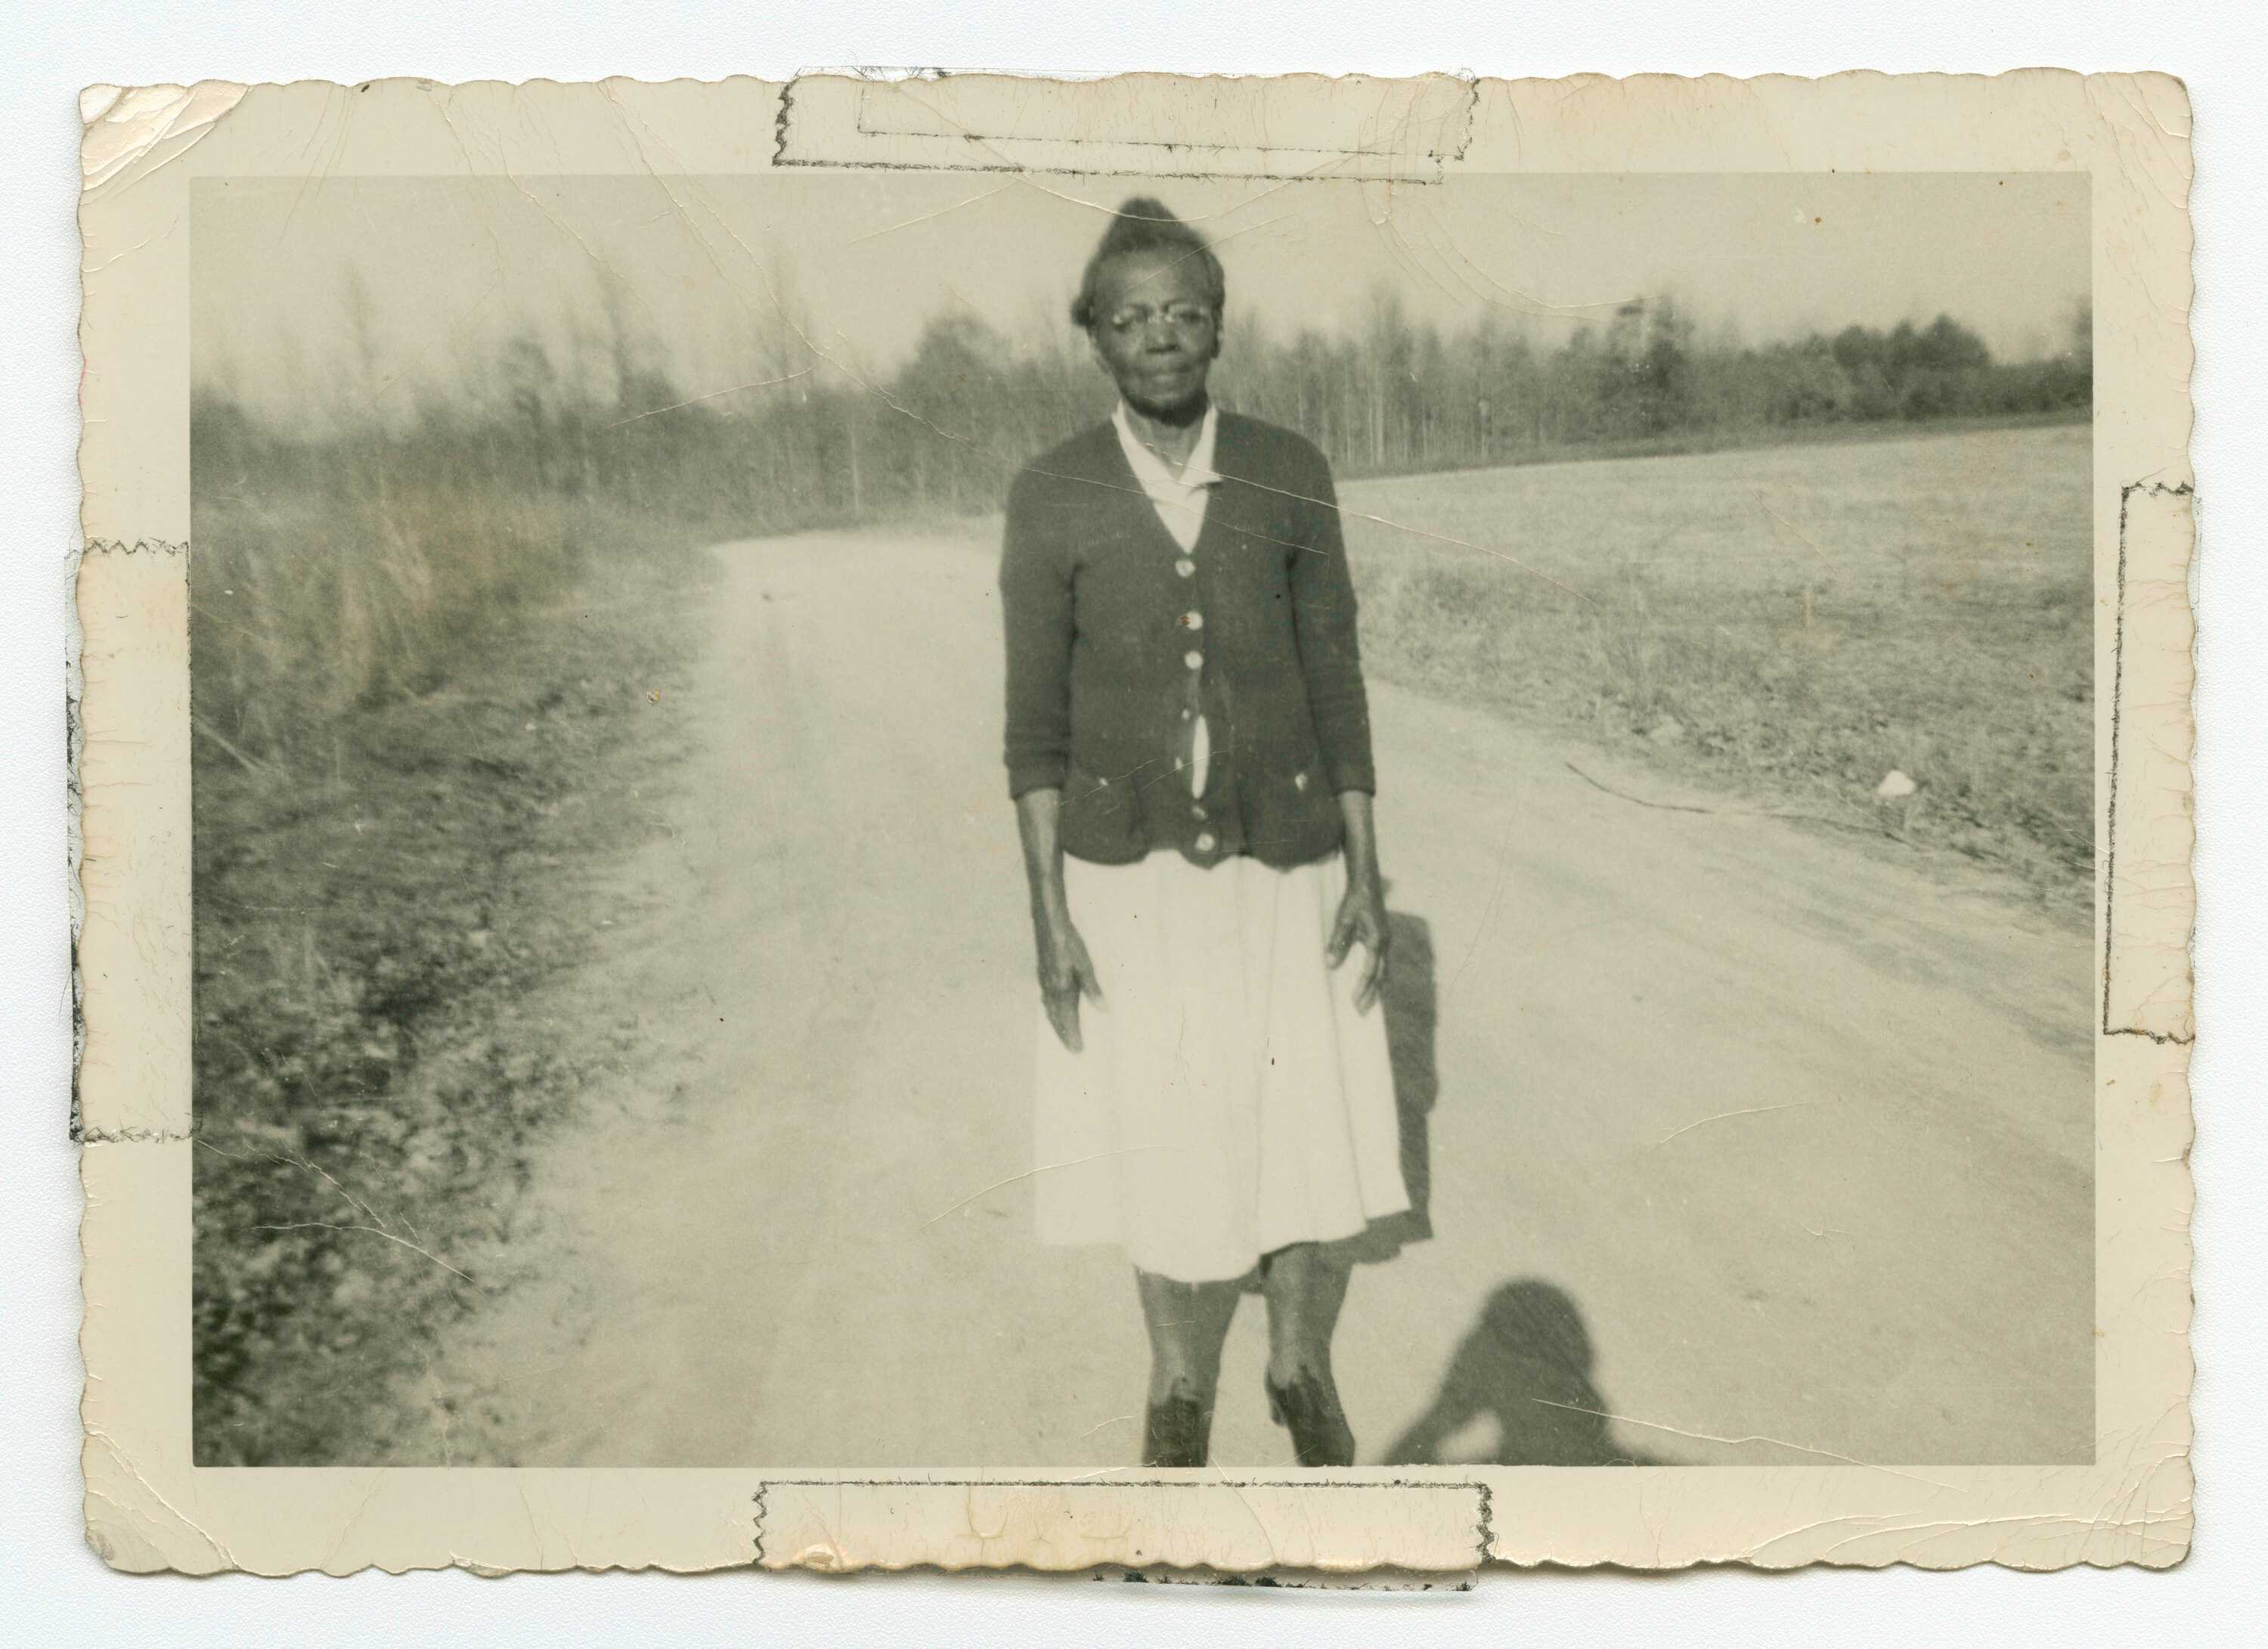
x: 1066, y: 973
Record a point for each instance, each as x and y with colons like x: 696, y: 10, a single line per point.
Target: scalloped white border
x: 54, y: 1586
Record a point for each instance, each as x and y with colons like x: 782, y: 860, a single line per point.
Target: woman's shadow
x: 1409, y: 1004
x: 1525, y: 1365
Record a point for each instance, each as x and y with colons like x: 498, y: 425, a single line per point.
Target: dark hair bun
x: 1143, y: 224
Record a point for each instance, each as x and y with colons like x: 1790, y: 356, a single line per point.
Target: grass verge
x: 380, y: 876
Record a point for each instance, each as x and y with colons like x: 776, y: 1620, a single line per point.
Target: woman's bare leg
x: 1305, y: 1284
x: 1188, y: 1324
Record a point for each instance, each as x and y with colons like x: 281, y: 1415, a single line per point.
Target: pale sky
x: 862, y: 258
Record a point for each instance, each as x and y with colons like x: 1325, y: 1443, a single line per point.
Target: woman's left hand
x: 1362, y: 918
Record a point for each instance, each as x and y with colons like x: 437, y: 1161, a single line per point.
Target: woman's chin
x: 1174, y: 403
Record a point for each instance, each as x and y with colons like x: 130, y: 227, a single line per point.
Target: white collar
x: 1150, y: 470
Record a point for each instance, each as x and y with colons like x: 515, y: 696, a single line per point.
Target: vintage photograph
x: 865, y: 819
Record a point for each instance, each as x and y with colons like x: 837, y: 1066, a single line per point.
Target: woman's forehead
x: 1155, y: 276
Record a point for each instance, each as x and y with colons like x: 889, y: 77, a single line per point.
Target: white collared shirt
x: 1180, y: 502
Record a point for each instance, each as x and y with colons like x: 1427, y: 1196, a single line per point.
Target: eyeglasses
x: 1180, y: 317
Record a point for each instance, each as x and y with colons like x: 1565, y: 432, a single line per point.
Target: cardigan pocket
x: 1101, y: 821
x: 1311, y: 799
x: 1302, y: 812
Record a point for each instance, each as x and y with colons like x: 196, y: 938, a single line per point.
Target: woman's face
x: 1155, y: 331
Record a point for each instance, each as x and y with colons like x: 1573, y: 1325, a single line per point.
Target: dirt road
x: 1768, y: 1142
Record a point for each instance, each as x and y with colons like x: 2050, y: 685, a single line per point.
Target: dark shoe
x: 1310, y: 1407
x: 1179, y: 1433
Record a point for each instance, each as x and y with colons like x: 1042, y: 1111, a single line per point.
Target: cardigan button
x: 1194, y: 621
x: 1197, y: 812
x: 1187, y: 568
x: 1205, y: 842
x: 1194, y: 659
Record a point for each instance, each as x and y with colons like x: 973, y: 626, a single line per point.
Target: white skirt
x: 1230, y: 1099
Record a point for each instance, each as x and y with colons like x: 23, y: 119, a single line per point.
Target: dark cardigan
x: 1117, y: 641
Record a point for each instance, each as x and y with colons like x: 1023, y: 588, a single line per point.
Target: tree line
x: 807, y: 437
x: 1397, y: 396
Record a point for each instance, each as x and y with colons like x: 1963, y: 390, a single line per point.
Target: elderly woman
x: 1188, y: 744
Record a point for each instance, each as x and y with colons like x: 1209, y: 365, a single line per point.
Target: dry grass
x: 308, y: 604
x: 1795, y: 621
x: 420, y: 710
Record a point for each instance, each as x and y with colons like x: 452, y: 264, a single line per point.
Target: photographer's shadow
x: 1525, y: 1366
